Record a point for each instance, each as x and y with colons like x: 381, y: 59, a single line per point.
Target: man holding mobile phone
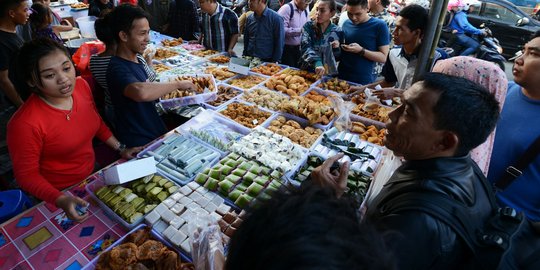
x: 366, y: 42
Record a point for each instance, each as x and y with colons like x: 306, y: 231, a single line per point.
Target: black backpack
x: 506, y: 240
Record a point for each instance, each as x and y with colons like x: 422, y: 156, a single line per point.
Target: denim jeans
x: 469, y: 44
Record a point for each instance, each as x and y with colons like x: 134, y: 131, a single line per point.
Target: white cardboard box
x: 130, y: 170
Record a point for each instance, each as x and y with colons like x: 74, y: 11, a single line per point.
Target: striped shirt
x: 99, y: 66
x: 218, y: 28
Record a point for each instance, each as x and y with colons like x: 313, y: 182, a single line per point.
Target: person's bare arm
x: 232, y: 43
x: 9, y: 89
x: 150, y: 91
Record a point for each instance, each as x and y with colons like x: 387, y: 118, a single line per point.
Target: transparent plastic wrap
x: 207, y: 243
x: 150, y: 51
x: 343, y: 110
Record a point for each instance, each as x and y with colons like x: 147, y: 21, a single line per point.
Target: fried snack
x: 373, y: 112
x: 203, y: 53
x: 308, y: 76
x: 160, y: 67
x: 201, y: 84
x: 164, y: 54
x: 139, y: 237
x: 336, y: 85
x: 294, y: 131
x: 268, y: 69
x: 123, y: 255
x: 220, y: 59
x: 220, y: 73
x: 150, y: 250
x: 225, y: 93
x: 246, y: 82
x: 151, y: 254
x: 265, y: 98
x: 79, y: 5
x: 292, y: 85
x: 369, y: 133
x: 315, y: 108
x: 249, y: 116
x: 172, y: 42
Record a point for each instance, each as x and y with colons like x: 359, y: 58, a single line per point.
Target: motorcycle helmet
x: 455, y: 3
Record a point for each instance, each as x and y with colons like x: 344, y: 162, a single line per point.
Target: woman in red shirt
x: 50, y: 136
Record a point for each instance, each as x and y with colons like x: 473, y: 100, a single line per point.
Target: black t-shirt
x: 9, y: 46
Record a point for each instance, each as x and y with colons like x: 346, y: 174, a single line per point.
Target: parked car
x: 509, y: 24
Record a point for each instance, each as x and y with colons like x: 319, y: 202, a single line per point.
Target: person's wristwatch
x: 362, y: 51
x: 121, y: 147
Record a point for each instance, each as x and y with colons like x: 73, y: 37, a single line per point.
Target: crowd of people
x: 460, y: 126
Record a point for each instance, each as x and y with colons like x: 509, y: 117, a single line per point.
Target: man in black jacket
x: 442, y: 118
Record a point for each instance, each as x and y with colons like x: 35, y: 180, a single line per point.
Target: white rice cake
x: 161, y: 208
x: 170, y: 232
x: 185, y: 200
x: 176, y: 196
x: 178, y: 238
x: 160, y: 226
x: 177, y: 222
x: 178, y: 208
x: 185, y: 190
x: 152, y: 218
x: 223, y: 209
x: 193, y: 185
x: 168, y: 215
x: 218, y: 200
x: 186, y: 246
x: 169, y: 202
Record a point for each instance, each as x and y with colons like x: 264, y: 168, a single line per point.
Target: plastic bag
x: 206, y: 240
x: 150, y: 52
x: 81, y: 58
x: 330, y: 64
x: 372, y: 101
x: 343, y: 110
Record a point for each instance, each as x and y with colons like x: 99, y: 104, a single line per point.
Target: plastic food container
x: 318, y: 91
x: 263, y: 79
x: 212, y: 107
x: 210, y: 94
x: 223, y: 108
x: 303, y: 123
x: 162, y: 154
x: 86, y: 24
x: 215, y: 125
x: 99, y: 182
x: 92, y: 264
x: 318, y: 85
x: 266, y: 64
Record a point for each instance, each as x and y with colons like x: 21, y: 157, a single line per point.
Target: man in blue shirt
x: 133, y: 97
x: 264, y: 35
x: 366, y: 42
x: 518, y: 128
x: 461, y: 27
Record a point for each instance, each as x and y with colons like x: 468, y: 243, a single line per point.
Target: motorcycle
x: 490, y: 49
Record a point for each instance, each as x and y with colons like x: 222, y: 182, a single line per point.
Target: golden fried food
x: 123, y: 255
x: 308, y: 76
x: 79, y: 5
x: 220, y: 73
x: 294, y: 131
x: 221, y: 59
x: 247, y: 115
x: 225, y: 93
x: 368, y: 133
x: 160, y: 67
x: 164, y: 54
x: 172, y: 42
x: 268, y: 69
x: 336, y: 85
x: 246, y: 82
x: 150, y: 254
x: 150, y: 250
x: 201, y: 83
x: 292, y: 85
x: 264, y: 98
x: 317, y: 109
x: 203, y: 53
x: 373, y: 111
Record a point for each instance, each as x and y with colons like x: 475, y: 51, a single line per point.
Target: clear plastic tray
x: 181, y: 59
x: 215, y: 125
x: 248, y: 104
x: 185, y: 258
x: 97, y: 184
x: 189, y: 100
x: 265, y: 64
x: 228, y: 81
x: 211, y: 107
x: 318, y: 85
x: 369, y: 121
x: 324, y: 127
x: 261, y: 86
x: 176, y: 179
x: 297, y: 69
x: 303, y: 123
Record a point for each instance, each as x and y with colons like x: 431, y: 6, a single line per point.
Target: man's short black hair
x: 104, y: 30
x: 464, y: 108
x: 307, y: 229
x: 122, y: 17
x: 385, y: 3
x: 361, y: 3
x: 6, y: 5
x: 417, y: 17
